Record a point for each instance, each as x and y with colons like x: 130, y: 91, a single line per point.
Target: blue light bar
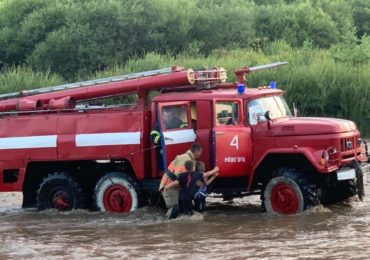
x: 273, y: 85
x: 240, y: 88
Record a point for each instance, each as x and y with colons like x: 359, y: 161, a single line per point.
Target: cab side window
x: 175, y: 117
x: 227, y: 113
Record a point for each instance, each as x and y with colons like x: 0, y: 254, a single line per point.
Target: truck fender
x: 313, y: 157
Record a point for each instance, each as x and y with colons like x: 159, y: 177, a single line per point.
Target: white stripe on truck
x: 101, y: 139
x: 98, y: 139
x: 179, y: 136
x: 41, y: 141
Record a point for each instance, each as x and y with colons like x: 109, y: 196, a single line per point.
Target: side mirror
x: 295, y: 110
x: 267, y: 115
x: 263, y: 116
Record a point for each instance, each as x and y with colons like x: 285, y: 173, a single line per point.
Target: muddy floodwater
x: 229, y: 230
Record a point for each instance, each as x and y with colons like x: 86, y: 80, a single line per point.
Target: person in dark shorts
x: 190, y: 183
x: 187, y: 181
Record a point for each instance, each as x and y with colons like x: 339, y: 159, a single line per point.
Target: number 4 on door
x: 235, y: 142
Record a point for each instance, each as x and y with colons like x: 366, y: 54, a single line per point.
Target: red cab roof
x: 208, y: 94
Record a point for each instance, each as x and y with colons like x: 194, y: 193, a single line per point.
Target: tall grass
x: 317, y: 83
x: 19, y: 78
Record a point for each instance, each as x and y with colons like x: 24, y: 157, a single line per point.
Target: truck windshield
x: 276, y: 105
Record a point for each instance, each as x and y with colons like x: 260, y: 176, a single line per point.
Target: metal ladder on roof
x: 86, y: 83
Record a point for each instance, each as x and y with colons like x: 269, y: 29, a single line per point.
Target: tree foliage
x: 327, y: 44
x: 73, y: 37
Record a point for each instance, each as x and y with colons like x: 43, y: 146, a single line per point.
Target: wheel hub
x: 61, y: 200
x: 117, y: 199
x: 284, y: 199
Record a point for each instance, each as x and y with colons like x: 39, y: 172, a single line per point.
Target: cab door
x: 233, y: 139
x: 176, y: 127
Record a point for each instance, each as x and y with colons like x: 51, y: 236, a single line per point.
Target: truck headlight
x: 362, y: 143
x: 330, y: 156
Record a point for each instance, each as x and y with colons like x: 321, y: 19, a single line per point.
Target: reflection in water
x: 228, y: 230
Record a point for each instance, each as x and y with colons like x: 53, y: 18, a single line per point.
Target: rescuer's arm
x: 207, y: 181
x: 172, y: 185
x: 211, y: 172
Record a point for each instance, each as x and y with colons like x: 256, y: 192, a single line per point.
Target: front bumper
x: 351, y: 172
x: 359, y: 173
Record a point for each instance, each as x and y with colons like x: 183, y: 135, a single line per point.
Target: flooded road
x: 234, y: 230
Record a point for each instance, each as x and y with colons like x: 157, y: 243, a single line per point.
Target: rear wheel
x: 288, y: 193
x: 116, y: 192
x: 59, y: 191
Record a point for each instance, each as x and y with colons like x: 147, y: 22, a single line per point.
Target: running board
x: 229, y: 193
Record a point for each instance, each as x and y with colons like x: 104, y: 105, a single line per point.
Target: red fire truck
x: 68, y: 147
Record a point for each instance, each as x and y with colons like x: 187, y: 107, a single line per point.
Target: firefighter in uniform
x: 176, y: 167
x: 155, y: 137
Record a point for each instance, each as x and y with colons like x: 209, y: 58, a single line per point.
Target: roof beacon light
x: 240, y: 87
x: 273, y: 84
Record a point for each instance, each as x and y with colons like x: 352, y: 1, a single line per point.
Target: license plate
x: 346, y: 175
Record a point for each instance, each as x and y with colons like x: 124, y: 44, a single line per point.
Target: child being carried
x: 193, y: 186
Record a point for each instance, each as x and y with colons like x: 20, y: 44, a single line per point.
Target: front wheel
x: 116, y: 192
x: 288, y: 193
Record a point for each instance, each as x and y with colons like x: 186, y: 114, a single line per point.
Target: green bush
x: 14, y: 16
x: 296, y: 23
x: 361, y: 17
x: 73, y: 38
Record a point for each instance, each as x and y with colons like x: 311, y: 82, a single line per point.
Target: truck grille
x: 349, y: 149
x: 348, y: 143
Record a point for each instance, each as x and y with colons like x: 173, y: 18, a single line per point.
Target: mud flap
x: 359, y: 180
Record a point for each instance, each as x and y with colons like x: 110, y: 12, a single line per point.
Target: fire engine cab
x: 63, y: 151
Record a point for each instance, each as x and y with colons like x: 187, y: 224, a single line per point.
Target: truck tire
x: 116, y: 192
x: 59, y: 191
x: 288, y: 192
x: 340, y: 191
x: 360, y: 185
x: 360, y: 190
x: 345, y: 189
